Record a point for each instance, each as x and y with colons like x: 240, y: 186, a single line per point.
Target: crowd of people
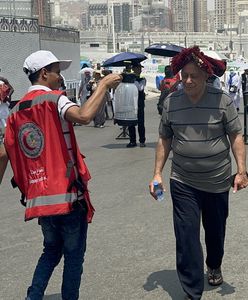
x: 199, y: 126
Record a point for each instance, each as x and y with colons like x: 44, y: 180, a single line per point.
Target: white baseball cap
x: 40, y: 59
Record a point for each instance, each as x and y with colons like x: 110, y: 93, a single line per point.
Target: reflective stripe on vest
x: 54, y: 199
x: 38, y: 99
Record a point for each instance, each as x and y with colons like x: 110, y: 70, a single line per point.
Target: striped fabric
x: 199, y: 132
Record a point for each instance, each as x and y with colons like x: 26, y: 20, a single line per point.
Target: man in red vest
x: 169, y: 84
x: 170, y: 80
x: 49, y: 169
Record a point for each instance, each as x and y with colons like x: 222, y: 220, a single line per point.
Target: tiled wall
x: 16, y: 46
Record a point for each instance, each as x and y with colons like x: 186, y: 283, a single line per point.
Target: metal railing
x: 18, y: 24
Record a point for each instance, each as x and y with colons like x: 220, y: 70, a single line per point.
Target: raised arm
x: 87, y: 111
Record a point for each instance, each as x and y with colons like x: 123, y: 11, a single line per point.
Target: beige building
x: 182, y: 15
x: 228, y: 13
x: 200, y: 16
x: 189, y: 15
x: 242, y: 5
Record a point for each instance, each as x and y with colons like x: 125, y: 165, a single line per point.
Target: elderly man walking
x: 200, y: 125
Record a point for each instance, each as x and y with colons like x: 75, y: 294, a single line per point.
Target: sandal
x: 214, y: 276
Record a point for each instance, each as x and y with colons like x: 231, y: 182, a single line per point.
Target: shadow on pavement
x: 52, y: 297
x: 224, y: 289
x: 123, y: 146
x: 168, y: 280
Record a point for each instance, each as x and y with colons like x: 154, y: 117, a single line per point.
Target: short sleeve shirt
x: 199, y: 133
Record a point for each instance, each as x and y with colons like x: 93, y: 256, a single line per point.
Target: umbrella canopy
x: 215, y: 54
x: 124, y: 58
x: 168, y: 50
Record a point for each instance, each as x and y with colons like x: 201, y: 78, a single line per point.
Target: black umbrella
x: 168, y: 50
x: 123, y: 59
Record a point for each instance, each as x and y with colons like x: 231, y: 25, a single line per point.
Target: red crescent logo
x: 31, y: 139
x: 28, y: 144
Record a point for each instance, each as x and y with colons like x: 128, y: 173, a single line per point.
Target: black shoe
x: 215, y: 277
x: 131, y: 145
x: 142, y: 145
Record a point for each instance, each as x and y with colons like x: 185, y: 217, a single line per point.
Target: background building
x: 182, y: 15
x: 155, y: 15
x: 200, y: 16
x: 40, y: 9
x: 21, y: 36
x: 131, y: 25
x: 15, y: 8
x: 189, y: 15
x: 228, y: 13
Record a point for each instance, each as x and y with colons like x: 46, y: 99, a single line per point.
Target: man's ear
x: 43, y: 74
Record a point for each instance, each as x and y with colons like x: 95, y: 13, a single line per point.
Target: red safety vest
x: 168, y: 83
x: 39, y: 157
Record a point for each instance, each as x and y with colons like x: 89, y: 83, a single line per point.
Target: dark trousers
x: 189, y: 206
x: 64, y: 235
x: 141, y: 127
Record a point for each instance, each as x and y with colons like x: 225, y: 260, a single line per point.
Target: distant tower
x: 182, y: 15
x: 200, y: 16
x: 189, y: 15
x: 226, y: 13
x: 41, y: 9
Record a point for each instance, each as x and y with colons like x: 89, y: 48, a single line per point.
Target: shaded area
x: 123, y: 146
x: 168, y: 280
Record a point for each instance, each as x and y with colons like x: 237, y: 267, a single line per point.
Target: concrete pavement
x: 131, y: 246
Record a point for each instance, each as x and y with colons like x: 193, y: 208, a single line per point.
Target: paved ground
x: 131, y: 245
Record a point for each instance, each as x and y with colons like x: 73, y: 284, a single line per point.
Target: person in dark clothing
x: 169, y: 84
x: 244, y: 81
x: 140, y: 83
